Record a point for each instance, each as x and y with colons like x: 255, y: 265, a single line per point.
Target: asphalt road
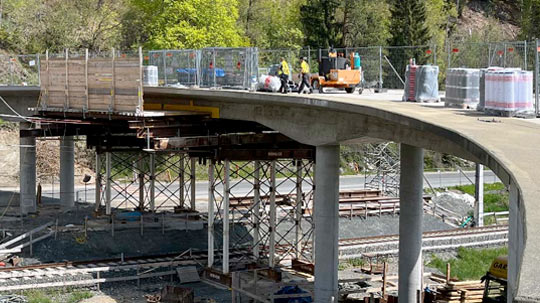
x: 243, y: 188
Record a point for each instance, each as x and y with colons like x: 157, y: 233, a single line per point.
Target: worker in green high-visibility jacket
x: 305, y: 76
x: 283, y: 74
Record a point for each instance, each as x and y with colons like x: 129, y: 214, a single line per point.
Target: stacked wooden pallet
x: 460, y: 292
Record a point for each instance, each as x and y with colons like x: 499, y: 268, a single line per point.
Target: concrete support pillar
x: 272, y: 240
x: 67, y: 171
x: 256, y: 207
x: 226, y: 186
x: 479, y: 195
x: 98, y: 182
x: 410, y: 223
x: 193, y: 181
x: 326, y: 223
x: 108, y: 169
x: 211, y: 213
x: 27, y: 172
x: 516, y: 240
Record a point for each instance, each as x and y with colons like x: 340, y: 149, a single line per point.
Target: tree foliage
x: 281, y: 27
x: 320, y: 25
x: 530, y: 19
x: 178, y: 24
x: 37, y: 25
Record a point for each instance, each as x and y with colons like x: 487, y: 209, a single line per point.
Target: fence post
x: 449, y: 54
x: 489, y: 55
x: 525, y: 58
x: 536, y: 62
x: 380, y: 68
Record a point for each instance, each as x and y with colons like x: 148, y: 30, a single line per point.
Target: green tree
x: 365, y: 23
x: 321, y: 28
x: 530, y: 19
x: 183, y: 24
x: 37, y: 25
x: 281, y: 27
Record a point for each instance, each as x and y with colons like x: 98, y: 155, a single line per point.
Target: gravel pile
x: 459, y: 203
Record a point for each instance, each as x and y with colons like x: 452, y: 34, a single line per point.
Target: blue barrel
x: 357, y: 61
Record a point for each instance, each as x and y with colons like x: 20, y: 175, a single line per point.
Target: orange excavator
x: 337, y: 71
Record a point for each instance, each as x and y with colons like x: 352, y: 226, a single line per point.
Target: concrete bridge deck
x: 509, y: 146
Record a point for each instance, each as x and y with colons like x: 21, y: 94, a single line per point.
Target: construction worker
x: 283, y: 75
x: 305, y: 76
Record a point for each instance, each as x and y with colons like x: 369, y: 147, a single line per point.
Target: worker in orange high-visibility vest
x: 283, y: 73
x: 305, y: 76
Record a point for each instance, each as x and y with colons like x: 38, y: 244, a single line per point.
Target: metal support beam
x: 27, y: 172
x: 98, y: 182
x: 140, y: 177
x: 211, y: 213
x: 256, y: 207
x: 193, y: 181
x: 298, y: 210
x: 479, y: 195
x: 410, y: 223
x: 108, y: 183
x: 326, y: 223
x: 272, y: 241
x: 181, y: 180
x: 226, y: 193
x: 67, y: 171
x: 152, y: 189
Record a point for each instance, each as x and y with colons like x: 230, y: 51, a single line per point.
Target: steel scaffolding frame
x: 382, y: 168
x: 160, y: 180
x: 271, y: 219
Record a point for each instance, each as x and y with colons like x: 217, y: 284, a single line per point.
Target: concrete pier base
x: 27, y: 172
x: 410, y: 223
x: 67, y: 171
x: 326, y: 223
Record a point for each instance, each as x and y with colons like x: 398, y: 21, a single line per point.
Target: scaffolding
x: 263, y: 207
x: 145, y: 181
x: 382, y: 168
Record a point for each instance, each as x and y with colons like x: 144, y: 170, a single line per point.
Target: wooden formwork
x: 83, y: 84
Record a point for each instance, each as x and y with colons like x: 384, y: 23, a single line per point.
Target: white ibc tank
x: 268, y: 83
x: 509, y: 90
x: 150, y: 75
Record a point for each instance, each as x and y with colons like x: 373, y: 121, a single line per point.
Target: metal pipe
x: 226, y: 177
x: 152, y: 182
x: 272, y: 239
x: 298, y: 209
x: 193, y: 183
x: 211, y: 213
x: 256, y: 207
x: 108, y: 183
x: 181, y: 182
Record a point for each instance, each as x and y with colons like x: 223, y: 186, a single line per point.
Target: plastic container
x: 150, y: 75
x: 357, y: 61
x: 427, y: 83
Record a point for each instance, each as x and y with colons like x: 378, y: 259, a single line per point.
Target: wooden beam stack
x: 461, y: 292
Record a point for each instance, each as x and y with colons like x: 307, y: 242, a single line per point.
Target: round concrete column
x: 27, y: 172
x: 326, y: 223
x: 410, y: 223
x: 67, y: 172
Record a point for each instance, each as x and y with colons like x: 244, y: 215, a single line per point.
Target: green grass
x: 496, y: 196
x: 37, y: 296
x: 470, y: 264
x: 354, y: 263
x: 78, y: 296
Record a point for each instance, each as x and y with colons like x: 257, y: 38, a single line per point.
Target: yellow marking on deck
x: 213, y: 111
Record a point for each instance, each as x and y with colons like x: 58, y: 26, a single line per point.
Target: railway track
x: 431, y: 241
x: 99, y: 271
x: 134, y: 269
